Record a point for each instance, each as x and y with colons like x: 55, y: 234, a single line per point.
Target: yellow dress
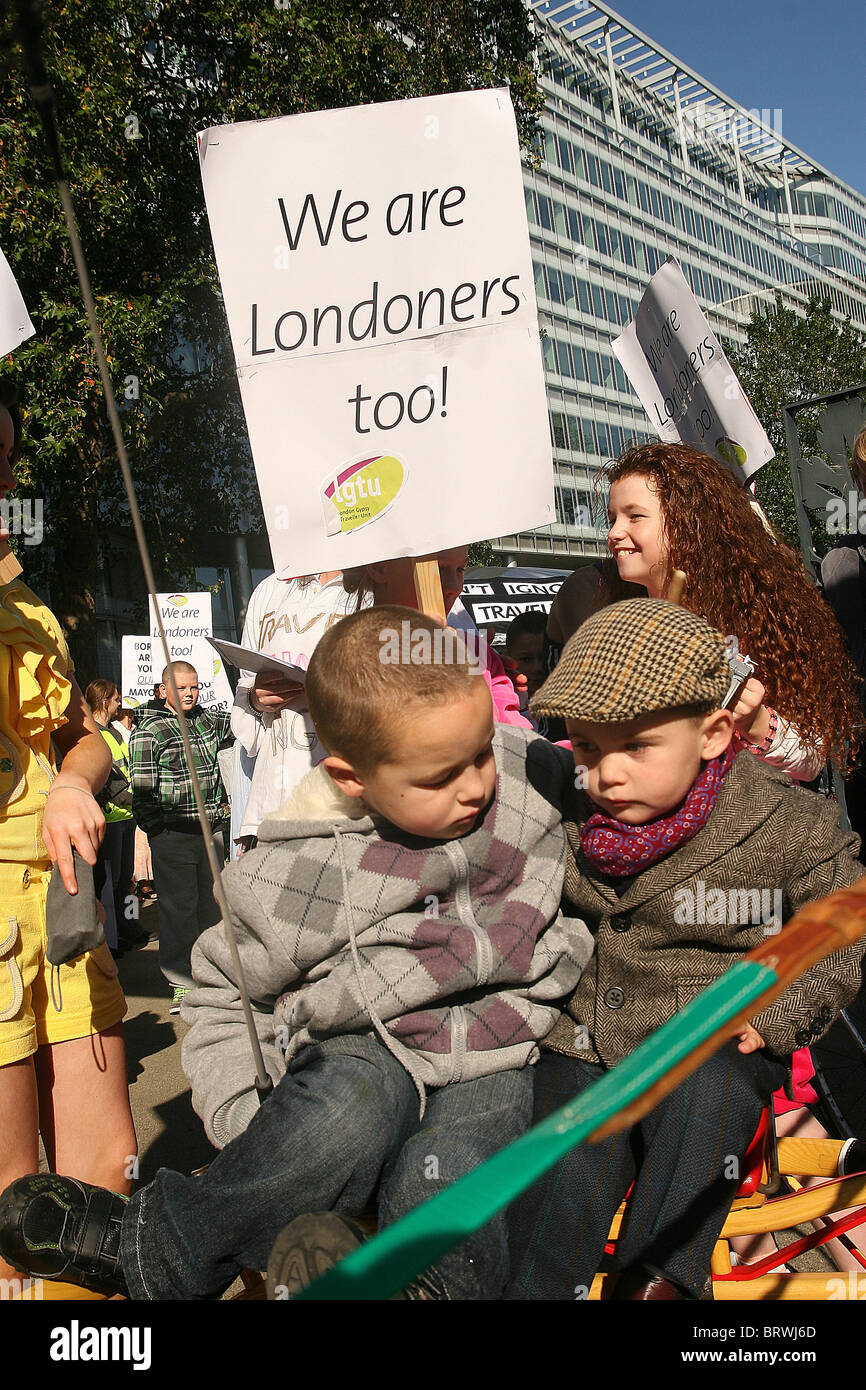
x: 38, y: 1003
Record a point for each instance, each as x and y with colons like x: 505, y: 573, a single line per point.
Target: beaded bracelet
x: 767, y: 741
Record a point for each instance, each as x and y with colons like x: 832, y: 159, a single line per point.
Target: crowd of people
x: 453, y: 912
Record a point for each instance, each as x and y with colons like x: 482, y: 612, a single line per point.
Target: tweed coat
x: 668, y: 932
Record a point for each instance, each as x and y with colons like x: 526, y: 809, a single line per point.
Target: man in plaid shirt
x: 164, y: 807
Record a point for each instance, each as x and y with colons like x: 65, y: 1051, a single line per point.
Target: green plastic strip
x: 392, y: 1259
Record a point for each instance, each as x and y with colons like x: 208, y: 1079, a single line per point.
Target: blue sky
x: 807, y: 59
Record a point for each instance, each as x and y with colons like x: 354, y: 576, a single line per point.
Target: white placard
x: 685, y: 382
x: 15, y: 325
x: 377, y: 276
x: 183, y: 615
x: 142, y: 665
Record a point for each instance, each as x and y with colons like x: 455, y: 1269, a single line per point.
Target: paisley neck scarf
x: 621, y: 850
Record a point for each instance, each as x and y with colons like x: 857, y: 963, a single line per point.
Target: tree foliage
x: 791, y: 357
x: 134, y: 81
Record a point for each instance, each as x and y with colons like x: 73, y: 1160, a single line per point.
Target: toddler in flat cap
x: 682, y: 857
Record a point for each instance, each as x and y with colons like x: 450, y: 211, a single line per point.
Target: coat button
x: 803, y: 1038
x: 614, y: 998
x: 620, y: 923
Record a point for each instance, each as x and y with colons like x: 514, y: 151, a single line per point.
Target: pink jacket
x: 506, y: 709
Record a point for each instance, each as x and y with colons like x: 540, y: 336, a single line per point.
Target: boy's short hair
x: 178, y: 668
x: 369, y: 667
x: 644, y: 656
x: 533, y: 621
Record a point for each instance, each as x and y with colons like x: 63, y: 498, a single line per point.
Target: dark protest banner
x: 377, y: 276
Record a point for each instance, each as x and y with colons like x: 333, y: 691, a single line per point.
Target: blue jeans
x: 341, y: 1127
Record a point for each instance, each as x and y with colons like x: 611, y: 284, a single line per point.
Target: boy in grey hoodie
x: 398, y: 925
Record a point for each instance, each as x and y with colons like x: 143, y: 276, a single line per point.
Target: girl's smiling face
x: 636, y: 538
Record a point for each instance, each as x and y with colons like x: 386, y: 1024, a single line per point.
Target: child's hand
x: 750, y: 714
x: 750, y: 1039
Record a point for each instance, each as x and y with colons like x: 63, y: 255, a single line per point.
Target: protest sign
x: 183, y: 615
x: 685, y: 382
x: 377, y: 276
x: 143, y: 662
x: 500, y: 596
x: 15, y: 325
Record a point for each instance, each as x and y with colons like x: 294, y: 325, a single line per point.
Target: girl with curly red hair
x: 673, y: 508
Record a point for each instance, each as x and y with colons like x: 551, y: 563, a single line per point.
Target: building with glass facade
x: 643, y: 159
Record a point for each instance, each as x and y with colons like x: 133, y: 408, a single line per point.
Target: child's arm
x: 819, y: 860
x: 217, y: 1054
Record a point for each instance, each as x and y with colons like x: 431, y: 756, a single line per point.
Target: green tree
x: 135, y: 80
x: 792, y: 357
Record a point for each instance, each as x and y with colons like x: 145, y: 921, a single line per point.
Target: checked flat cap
x: 635, y: 658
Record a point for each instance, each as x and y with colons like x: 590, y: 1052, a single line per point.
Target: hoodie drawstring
x: 397, y: 1050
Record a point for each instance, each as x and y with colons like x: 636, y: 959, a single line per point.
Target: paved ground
x: 170, y: 1134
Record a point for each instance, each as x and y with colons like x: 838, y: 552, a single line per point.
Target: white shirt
x: 285, y: 619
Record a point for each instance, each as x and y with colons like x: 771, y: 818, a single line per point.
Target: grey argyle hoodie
x: 455, y: 953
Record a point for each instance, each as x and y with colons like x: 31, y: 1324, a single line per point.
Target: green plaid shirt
x: 161, y: 783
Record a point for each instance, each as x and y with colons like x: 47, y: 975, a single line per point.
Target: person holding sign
x: 392, y: 581
x: 164, y: 807
x: 672, y: 508
x: 62, y: 1056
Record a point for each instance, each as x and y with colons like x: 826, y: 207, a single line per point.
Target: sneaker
x: 311, y: 1245
x: 59, y: 1228
x: 178, y: 995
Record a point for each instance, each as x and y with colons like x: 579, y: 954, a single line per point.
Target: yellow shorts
x: 41, y: 1003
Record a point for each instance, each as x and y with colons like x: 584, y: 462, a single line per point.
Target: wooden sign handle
x: 9, y: 566
x: 676, y: 586
x: 428, y: 589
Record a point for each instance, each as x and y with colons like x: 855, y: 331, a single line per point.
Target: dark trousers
x: 341, y: 1127
x: 684, y: 1159
x: 187, y: 906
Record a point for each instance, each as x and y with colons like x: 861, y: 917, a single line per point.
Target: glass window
x: 575, y: 438
x: 560, y: 434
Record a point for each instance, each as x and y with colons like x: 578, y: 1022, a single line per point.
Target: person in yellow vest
x: 62, y: 1056
x: 123, y: 931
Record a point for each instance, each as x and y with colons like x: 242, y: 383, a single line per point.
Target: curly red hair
x: 746, y: 580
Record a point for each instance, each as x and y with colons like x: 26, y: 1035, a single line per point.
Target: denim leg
x: 465, y: 1123
x: 558, y: 1229
x: 318, y: 1143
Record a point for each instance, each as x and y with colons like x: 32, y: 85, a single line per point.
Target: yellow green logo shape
x: 360, y: 493
x: 729, y: 451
